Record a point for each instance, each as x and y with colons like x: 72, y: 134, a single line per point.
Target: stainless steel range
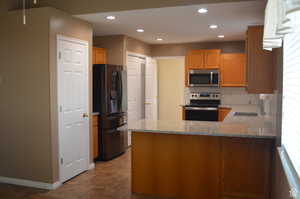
x: 203, y: 106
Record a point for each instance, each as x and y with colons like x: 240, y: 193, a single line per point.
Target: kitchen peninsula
x: 211, y: 160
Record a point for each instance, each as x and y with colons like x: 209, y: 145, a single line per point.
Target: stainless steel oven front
x: 204, y: 78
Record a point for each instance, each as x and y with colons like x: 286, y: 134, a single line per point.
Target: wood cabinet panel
x: 193, y: 167
x: 223, y: 112
x: 246, y: 168
x: 165, y: 165
x: 260, y: 69
x: 142, y: 171
x: 195, y: 59
x: 212, y: 59
x: 183, y: 113
x: 175, y: 166
x: 95, y: 136
x: 233, y: 70
x: 99, y: 55
x: 199, y: 174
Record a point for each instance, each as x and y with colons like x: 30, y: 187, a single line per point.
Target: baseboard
x: 92, y: 166
x: 29, y: 183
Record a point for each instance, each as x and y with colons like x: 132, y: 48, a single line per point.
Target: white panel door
x: 134, y: 89
x: 151, y: 89
x: 73, y: 107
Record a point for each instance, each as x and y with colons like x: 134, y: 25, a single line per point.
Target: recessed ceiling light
x: 202, y: 10
x: 140, y: 30
x: 213, y: 26
x: 159, y: 39
x: 221, y: 36
x: 111, y: 17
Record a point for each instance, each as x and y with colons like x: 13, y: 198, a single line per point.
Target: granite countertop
x: 232, y: 126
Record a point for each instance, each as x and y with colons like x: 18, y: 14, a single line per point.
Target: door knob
x: 85, y: 115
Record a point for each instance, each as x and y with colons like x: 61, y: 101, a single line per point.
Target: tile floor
x: 109, y: 180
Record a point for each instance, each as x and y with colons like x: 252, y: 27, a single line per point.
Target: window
x: 291, y: 98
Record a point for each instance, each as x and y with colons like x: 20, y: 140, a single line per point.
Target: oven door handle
x: 202, y: 108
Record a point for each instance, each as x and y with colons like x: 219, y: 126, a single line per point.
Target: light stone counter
x: 233, y: 126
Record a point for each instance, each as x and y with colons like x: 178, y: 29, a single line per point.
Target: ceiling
x: 181, y: 24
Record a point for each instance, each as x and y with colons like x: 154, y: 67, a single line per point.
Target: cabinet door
x: 233, y: 70
x: 95, y: 137
x: 246, y: 167
x: 99, y: 56
x: 195, y: 59
x: 212, y: 59
x: 260, y: 75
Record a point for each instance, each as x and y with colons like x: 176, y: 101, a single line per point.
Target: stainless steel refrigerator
x: 108, y: 102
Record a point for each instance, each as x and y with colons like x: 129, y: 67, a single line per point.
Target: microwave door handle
x: 211, y: 77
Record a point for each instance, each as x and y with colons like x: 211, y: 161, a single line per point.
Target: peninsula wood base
x: 201, y: 167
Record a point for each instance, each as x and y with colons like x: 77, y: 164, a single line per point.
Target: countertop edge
x: 203, y: 133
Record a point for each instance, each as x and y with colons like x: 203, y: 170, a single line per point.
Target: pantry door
x: 135, y: 90
x: 151, y: 89
x: 72, y: 57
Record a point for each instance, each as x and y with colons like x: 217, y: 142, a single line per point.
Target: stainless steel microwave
x: 204, y: 78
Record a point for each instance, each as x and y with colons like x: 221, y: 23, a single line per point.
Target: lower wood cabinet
x: 246, y: 168
x: 95, y: 136
x: 196, y: 167
x: 223, y: 112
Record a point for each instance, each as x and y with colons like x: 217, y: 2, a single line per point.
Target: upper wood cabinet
x: 260, y: 69
x: 212, y: 58
x: 195, y: 59
x: 99, y: 55
x: 233, y: 70
x: 203, y: 59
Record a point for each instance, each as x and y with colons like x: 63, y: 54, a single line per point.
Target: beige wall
x: 118, y: 45
x: 137, y: 46
x: 6, y: 5
x: 158, y: 50
x: 28, y: 122
x: 115, y: 46
x: 170, y: 88
x: 25, y: 97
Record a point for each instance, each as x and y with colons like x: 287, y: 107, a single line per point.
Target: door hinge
x: 61, y: 161
x: 59, y: 55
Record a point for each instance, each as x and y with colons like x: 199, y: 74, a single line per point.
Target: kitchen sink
x: 250, y: 114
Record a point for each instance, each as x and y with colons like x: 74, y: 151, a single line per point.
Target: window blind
x: 291, y: 97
